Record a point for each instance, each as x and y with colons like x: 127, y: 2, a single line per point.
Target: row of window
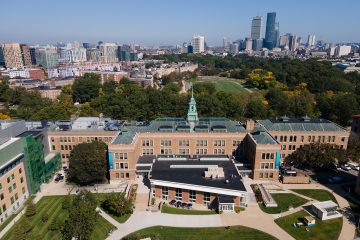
x: 179, y: 195
x: 268, y: 156
x: 199, y: 143
x: 120, y: 156
x: 88, y: 139
x: 267, y: 166
x: 187, y: 151
x: 65, y: 147
x: 266, y: 175
x: 11, y: 200
x: 309, y: 138
x: 65, y: 156
x: 121, y: 166
x: 9, y: 167
x: 122, y: 175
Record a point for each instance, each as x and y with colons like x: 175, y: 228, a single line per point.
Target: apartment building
x: 12, y: 55
x: 105, y: 75
x: 65, y: 135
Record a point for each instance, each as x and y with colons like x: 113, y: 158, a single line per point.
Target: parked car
x: 336, y: 166
x: 335, y: 179
x: 354, y: 166
x: 346, y: 167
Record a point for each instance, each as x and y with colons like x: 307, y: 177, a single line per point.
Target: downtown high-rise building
x: 277, y: 35
x: 284, y: 40
x: 198, y: 44
x: 270, y: 30
x: 311, y: 40
x: 292, y: 43
x: 256, y: 27
x: 224, y: 42
x: 12, y: 55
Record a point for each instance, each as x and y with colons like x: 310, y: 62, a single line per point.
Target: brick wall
x: 213, y: 199
x: 158, y: 191
x: 185, y: 195
x: 237, y: 201
x: 295, y: 180
x: 199, y: 197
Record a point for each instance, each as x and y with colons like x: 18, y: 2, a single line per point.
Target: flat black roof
x: 244, y: 168
x: 225, y: 199
x: 143, y: 168
x: 161, y: 170
x: 27, y: 133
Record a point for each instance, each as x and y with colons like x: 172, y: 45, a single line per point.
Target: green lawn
x: 318, y: 194
x: 12, y: 217
x: 323, y: 230
x: 172, y: 210
x: 284, y: 200
x: 228, y: 87
x: 52, y: 205
x: 236, y: 232
x: 122, y: 219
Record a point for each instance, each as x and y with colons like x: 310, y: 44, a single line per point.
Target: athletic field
x: 228, y: 87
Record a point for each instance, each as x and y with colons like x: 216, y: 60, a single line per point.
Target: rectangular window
x: 309, y: 138
x: 122, y: 175
x: 302, y: 138
x: 12, y: 176
x: 92, y: 139
x: 53, y: 147
x: 206, y: 199
x: 178, y: 194
x: 88, y: 139
x: 52, y: 139
x: 117, y: 175
x: 165, y: 143
x: 276, y: 138
x: 290, y: 138
x: 147, y: 143
x: 126, y: 165
x: 294, y: 139
x: 14, y: 186
x: 164, y: 193
x: 266, y: 175
x: 106, y: 139
x: 2, y: 196
x: 65, y: 139
x: 201, y: 151
x: 67, y: 155
x: 271, y: 175
x: 261, y: 175
x: 61, y: 139
x: 10, y: 189
x: 184, y: 143
x: 16, y: 196
x: 165, y: 151
x: 285, y: 138
x: 200, y: 143
x: 281, y: 138
x: 184, y: 151
x: 192, y: 196
x: 4, y: 207
x: 12, y: 200
x: 23, y: 190
x: 21, y: 179
x: 69, y: 139
x: 289, y: 147
x: 343, y: 139
x: 293, y: 147
x: 329, y: 139
x: 66, y: 147
x: 219, y: 151
x: 63, y: 155
x: 283, y: 147
x: 319, y: 138
x: 313, y: 139
x: 20, y: 170
x: 80, y: 140
x: 70, y: 147
x: 62, y: 147
x: 127, y: 175
x: 8, y: 179
x: 100, y: 139
x: 148, y: 151
x: 121, y: 156
x: 0, y: 186
x: 333, y: 139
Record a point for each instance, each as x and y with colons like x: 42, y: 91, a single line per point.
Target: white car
x: 337, y: 166
x: 354, y: 166
x: 346, y: 167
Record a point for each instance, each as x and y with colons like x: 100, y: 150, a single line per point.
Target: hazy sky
x: 158, y: 22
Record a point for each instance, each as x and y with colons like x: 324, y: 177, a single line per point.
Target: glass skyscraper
x: 270, y: 30
x: 256, y: 27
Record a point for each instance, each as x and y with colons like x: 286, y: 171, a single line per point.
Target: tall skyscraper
x: 284, y: 40
x: 270, y: 30
x: 224, y: 41
x: 256, y: 27
x: 234, y: 48
x: 311, y: 40
x: 198, y: 44
x: 12, y: 55
x: 292, y: 43
x: 277, y: 35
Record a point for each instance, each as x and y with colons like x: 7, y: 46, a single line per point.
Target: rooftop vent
x: 215, y: 172
x: 285, y: 118
x: 306, y: 118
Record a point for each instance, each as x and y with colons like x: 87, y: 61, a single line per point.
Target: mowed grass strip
x: 318, y: 194
x: 172, y: 210
x: 323, y: 230
x: 52, y: 205
x: 228, y: 87
x: 284, y: 200
x: 236, y: 232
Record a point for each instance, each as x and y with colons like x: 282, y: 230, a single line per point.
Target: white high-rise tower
x: 311, y: 40
x: 256, y: 27
x: 198, y: 44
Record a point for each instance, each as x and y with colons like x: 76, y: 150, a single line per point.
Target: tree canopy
x: 88, y: 162
x: 87, y: 87
x: 117, y: 204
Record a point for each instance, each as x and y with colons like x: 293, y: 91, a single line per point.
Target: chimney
x: 250, y: 124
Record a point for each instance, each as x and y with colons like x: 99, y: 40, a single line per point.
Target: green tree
x: 44, y: 217
x: 87, y: 87
x: 54, y: 112
x: 13, y: 95
x: 203, y: 88
x: 115, y: 69
x: 30, y: 209
x: 66, y: 203
x: 31, y: 102
x: 88, y: 162
x: 87, y: 111
x: 172, y: 87
x: 117, y: 204
x: 18, y: 233
x: 109, y: 86
x: 256, y: 109
x: 25, y: 224
x: 353, y: 148
x: 66, y: 89
x: 82, y: 217
x: 4, y: 86
x: 65, y: 101
x: 316, y: 156
x: 55, y: 224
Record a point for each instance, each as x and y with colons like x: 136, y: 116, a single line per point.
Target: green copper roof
x: 261, y: 137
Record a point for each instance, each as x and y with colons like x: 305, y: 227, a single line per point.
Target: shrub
x: 55, y: 224
x: 66, y: 203
x: 31, y: 209
x: 152, y: 201
x: 44, y: 217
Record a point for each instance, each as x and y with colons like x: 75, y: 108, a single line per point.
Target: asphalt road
x: 323, y: 177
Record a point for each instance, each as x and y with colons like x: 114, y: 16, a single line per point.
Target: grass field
x: 52, y: 205
x: 172, y: 210
x: 229, y: 87
x: 284, y: 200
x: 236, y: 232
x: 318, y: 194
x: 323, y: 230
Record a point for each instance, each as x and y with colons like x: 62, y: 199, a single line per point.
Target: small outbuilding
x: 309, y: 221
x: 326, y: 210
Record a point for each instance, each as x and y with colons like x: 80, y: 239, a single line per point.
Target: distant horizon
x: 170, y: 23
